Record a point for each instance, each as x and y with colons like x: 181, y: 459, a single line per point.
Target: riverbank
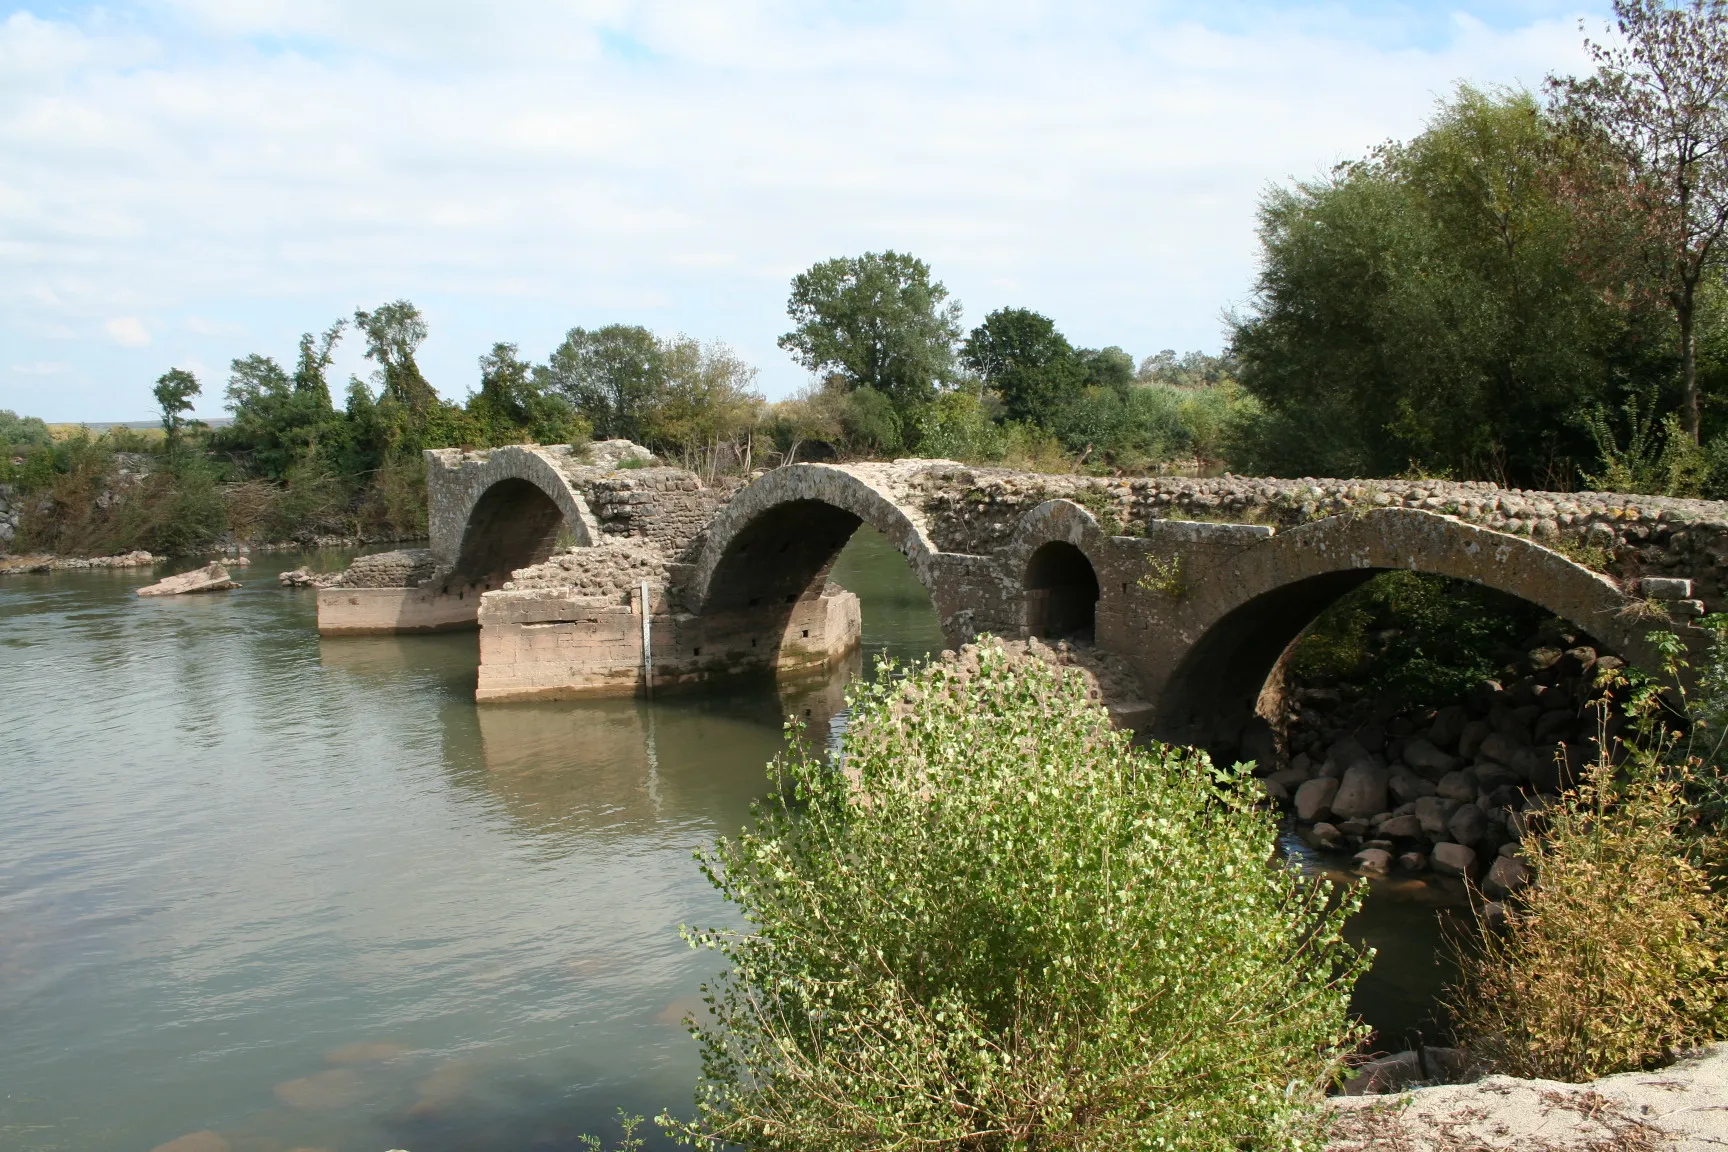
x: 1681, y: 1108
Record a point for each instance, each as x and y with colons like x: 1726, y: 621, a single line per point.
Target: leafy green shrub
x: 955, y: 426
x: 997, y: 925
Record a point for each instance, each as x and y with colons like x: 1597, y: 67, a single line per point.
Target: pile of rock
x: 610, y: 570
x: 40, y: 563
x: 1110, y: 679
x: 1448, y: 788
x: 9, y: 511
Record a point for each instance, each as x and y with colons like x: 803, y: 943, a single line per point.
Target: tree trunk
x: 1688, y: 363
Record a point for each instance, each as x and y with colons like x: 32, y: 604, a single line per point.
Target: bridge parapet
x: 1628, y: 537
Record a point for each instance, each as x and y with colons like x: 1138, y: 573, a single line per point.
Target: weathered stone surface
x: 1460, y: 785
x: 1454, y: 859
x: 1432, y: 812
x: 1362, y: 792
x: 1407, y: 828
x: 1424, y: 756
x: 1470, y: 739
x: 1501, y: 748
x: 1314, y: 799
x: 1406, y: 786
x: 1505, y: 876
x: 213, y: 577
x: 1374, y: 862
x: 1467, y: 825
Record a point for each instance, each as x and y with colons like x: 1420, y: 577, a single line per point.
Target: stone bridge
x: 577, y: 568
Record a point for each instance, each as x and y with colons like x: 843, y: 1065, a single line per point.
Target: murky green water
x: 304, y: 894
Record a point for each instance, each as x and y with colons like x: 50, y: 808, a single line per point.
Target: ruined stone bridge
x: 577, y: 567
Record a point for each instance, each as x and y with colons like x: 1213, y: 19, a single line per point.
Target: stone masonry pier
x: 1199, y: 585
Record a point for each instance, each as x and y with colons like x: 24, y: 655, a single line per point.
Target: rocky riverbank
x: 1681, y: 1108
x: 1448, y: 788
x: 41, y: 562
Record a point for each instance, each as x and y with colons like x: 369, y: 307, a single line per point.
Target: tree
x: 394, y: 332
x: 1107, y: 368
x: 23, y: 431
x: 1659, y: 103
x: 317, y: 353
x: 512, y: 407
x: 707, y: 402
x: 879, y: 321
x: 1027, y: 362
x: 612, y: 375
x: 175, y: 390
x: 1423, y: 308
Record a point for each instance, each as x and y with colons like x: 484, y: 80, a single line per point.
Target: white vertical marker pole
x: 647, y: 646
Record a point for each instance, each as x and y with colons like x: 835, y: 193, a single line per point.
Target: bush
x: 955, y: 426
x: 1612, y: 959
x: 997, y: 925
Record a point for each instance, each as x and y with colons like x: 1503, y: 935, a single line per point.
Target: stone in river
x: 1374, y: 861
x: 1362, y: 793
x: 205, y: 1141
x: 1471, y: 738
x: 1406, y: 786
x: 210, y: 578
x: 1432, y: 813
x: 1460, y: 785
x: 1454, y: 859
x: 1505, y: 876
x: 1323, y: 836
x: 323, y: 1091
x: 1413, y: 861
x: 1314, y: 798
x: 1402, y: 828
x: 1424, y: 757
x: 364, y: 1052
x: 1467, y: 825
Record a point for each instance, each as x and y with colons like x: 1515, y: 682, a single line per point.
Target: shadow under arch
x: 1061, y: 589
x: 1225, y: 685
x: 773, y: 546
x: 512, y: 525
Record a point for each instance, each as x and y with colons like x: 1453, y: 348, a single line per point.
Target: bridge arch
x: 511, y: 507
x: 1232, y: 631
x: 1054, y: 553
x: 782, y: 532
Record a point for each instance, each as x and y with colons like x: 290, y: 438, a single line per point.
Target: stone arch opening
x: 770, y: 602
x: 513, y: 524
x: 1061, y: 590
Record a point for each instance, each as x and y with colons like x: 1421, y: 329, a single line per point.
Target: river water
x: 262, y: 892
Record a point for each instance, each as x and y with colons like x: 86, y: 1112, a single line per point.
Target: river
x: 262, y: 892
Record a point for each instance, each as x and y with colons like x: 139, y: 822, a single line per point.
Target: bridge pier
x: 550, y: 645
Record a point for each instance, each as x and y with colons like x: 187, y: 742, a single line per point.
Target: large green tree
x: 612, y: 375
x: 1031, y: 366
x: 1425, y: 307
x: 877, y: 320
x: 394, y: 333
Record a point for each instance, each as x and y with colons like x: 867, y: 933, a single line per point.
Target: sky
x: 188, y: 181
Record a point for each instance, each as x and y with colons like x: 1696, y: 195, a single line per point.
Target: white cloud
x: 128, y: 332
x: 519, y: 168
x: 43, y: 368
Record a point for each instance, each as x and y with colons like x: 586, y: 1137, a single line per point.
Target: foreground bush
x: 1001, y: 927
x: 1612, y: 960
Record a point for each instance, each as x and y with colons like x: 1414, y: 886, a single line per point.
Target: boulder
x: 1406, y: 786
x: 1578, y: 661
x: 1448, y: 726
x: 1289, y: 778
x: 1273, y: 789
x: 210, y: 578
x: 1362, y: 792
x: 1454, y: 859
x: 1346, y: 754
x: 1490, y: 775
x: 1494, y: 915
x: 1314, y: 798
x: 1500, y: 748
x: 1505, y: 876
x: 1371, y: 736
x: 1541, y: 658
x: 1471, y: 738
x: 1467, y: 825
x: 1423, y: 756
x: 1374, y: 862
x: 1432, y: 813
x: 1402, y: 828
x: 1413, y: 862
x: 1323, y: 836
x: 1352, y: 829
x: 1460, y: 786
